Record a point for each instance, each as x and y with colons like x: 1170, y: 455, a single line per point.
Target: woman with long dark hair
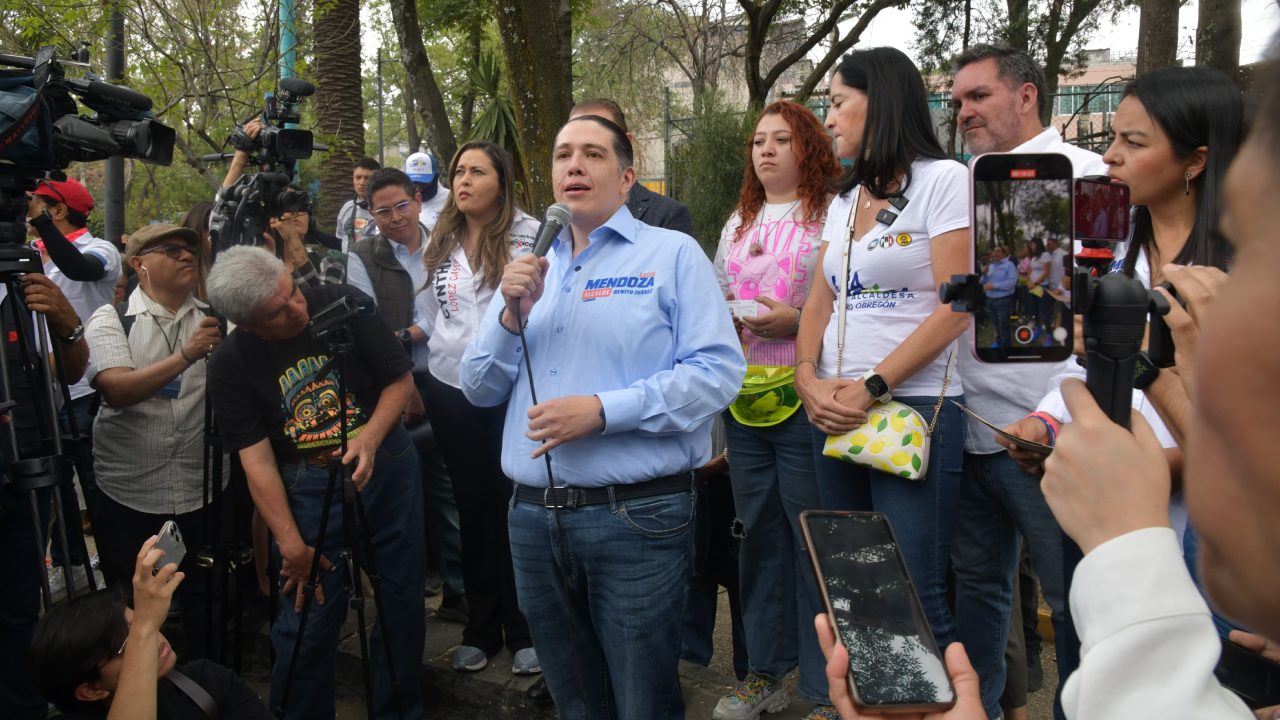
x: 478, y: 232
x: 768, y: 253
x: 1175, y: 132
x: 900, y: 225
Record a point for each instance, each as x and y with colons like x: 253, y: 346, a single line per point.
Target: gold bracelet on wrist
x: 807, y: 359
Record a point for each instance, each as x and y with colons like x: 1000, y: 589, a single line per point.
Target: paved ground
x: 495, y: 692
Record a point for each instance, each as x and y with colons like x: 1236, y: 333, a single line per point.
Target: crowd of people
x: 544, y: 432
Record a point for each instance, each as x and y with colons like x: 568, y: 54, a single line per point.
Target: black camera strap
x: 197, y: 694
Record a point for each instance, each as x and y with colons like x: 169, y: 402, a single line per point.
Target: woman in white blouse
x: 479, y: 230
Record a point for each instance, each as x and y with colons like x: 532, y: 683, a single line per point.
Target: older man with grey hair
x: 275, y: 390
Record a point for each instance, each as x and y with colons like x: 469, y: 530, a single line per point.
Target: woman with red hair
x: 766, y: 261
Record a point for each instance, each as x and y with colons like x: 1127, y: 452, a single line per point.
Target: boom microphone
x: 557, y: 217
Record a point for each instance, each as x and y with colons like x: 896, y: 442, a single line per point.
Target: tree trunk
x: 1018, y: 34
x: 411, y: 119
x: 469, y: 99
x: 1157, y: 35
x: 564, y: 28
x: 541, y: 92
x: 426, y: 93
x: 338, y: 99
x: 1218, y: 36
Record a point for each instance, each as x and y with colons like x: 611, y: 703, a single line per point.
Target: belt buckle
x: 570, y: 499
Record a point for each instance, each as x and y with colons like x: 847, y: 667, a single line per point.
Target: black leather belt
x: 572, y: 497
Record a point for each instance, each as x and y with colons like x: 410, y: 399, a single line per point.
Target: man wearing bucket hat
x: 147, y: 361
x: 424, y: 170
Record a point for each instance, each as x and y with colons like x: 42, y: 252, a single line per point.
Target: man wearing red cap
x: 86, y: 270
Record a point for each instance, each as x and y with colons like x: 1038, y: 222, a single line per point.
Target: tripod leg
x: 355, y: 588
x: 375, y: 581
x: 309, y: 589
x: 46, y: 594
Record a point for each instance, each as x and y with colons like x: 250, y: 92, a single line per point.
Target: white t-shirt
x: 1038, y: 265
x: 455, y: 300
x: 86, y: 297
x: 891, y: 288
x: 431, y: 209
x: 1057, y: 268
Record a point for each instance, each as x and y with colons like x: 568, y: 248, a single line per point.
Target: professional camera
x: 241, y: 211
x: 46, y: 133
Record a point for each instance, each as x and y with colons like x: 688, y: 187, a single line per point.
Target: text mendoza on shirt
x: 636, y: 318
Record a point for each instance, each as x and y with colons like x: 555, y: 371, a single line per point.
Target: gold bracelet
x: 807, y: 359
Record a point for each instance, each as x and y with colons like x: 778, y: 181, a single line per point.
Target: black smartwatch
x: 1145, y: 371
x: 404, y: 336
x: 876, y: 387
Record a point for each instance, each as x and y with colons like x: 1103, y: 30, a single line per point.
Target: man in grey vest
x: 388, y: 267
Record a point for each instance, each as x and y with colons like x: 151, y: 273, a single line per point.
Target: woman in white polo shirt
x: 907, y: 206
x: 478, y: 232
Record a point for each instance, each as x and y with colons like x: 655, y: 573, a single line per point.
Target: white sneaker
x: 753, y: 697
x: 58, y: 584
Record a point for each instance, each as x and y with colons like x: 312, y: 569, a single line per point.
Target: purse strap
x: 844, y: 284
x: 844, y: 307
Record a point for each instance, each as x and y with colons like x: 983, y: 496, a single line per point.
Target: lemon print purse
x: 895, y: 438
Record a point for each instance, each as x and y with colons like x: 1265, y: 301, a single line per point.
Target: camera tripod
x: 46, y: 467
x: 331, y: 324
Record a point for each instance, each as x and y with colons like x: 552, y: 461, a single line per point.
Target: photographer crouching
x: 276, y: 395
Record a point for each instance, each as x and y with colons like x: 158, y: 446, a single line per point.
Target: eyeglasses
x: 400, y: 208
x: 171, y: 251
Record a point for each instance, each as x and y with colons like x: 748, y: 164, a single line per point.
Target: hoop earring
x: 1187, y: 186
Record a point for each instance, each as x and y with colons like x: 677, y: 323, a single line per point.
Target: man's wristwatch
x: 876, y: 387
x: 76, y: 333
x: 404, y: 336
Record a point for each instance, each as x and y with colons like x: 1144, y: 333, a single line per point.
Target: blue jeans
x: 1001, y: 312
x: 393, y: 507
x: 773, y: 482
x: 999, y: 502
x: 922, y: 512
x: 605, y: 602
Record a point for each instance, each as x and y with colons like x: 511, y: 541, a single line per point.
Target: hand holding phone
x: 171, y: 543
x: 963, y: 677
x: 894, y: 662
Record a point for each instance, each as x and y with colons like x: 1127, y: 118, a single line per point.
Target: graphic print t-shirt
x: 775, y: 257
x: 287, y: 391
x: 890, y: 287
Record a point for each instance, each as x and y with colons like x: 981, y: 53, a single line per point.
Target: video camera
x: 42, y: 132
x: 241, y: 211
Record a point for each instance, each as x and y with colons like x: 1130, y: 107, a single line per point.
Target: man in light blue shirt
x: 633, y: 352
x: 1000, y: 281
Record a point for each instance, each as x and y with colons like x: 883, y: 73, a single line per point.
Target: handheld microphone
x: 557, y: 217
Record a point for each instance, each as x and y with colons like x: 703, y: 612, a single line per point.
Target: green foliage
x: 496, y: 122
x: 706, y: 168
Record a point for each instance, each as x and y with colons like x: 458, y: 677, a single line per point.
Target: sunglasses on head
x: 53, y: 190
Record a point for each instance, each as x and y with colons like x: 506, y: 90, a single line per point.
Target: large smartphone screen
x: 1022, y: 231
x: 893, y: 658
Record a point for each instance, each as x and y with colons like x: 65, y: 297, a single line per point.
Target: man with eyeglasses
x: 147, y: 359
x: 388, y: 267
x: 86, y: 269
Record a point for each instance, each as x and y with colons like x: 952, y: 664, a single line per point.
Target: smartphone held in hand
x: 895, y: 665
x: 172, y: 545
